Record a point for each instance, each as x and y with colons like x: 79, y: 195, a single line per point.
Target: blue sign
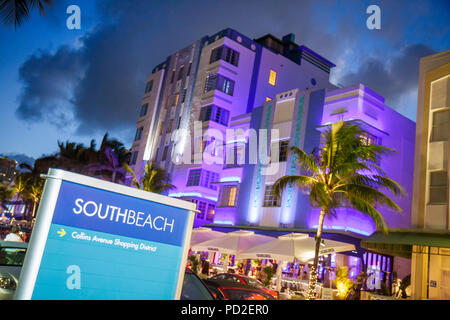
x: 108, y: 245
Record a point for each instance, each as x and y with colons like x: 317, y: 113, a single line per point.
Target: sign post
x: 95, y: 239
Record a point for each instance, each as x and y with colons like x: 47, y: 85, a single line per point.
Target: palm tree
x: 110, y: 158
x: 5, y: 194
x: 154, y: 180
x: 343, y: 173
x: 72, y: 156
x: 35, y: 193
x: 14, y: 12
x: 34, y: 186
x: 18, y: 189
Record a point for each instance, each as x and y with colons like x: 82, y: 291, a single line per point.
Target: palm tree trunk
x: 313, y: 272
x: 34, y: 210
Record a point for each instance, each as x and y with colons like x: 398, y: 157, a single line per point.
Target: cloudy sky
x: 61, y: 84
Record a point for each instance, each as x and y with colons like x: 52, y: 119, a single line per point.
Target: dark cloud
x: 48, y: 84
x: 392, y: 79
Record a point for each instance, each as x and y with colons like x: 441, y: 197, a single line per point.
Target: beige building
x: 430, y: 264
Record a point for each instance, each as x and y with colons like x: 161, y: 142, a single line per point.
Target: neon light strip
x: 231, y: 179
x: 365, y: 233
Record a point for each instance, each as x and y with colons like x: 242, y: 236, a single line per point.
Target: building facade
x: 8, y: 170
x: 296, y: 117
x: 430, y: 275
x: 190, y: 99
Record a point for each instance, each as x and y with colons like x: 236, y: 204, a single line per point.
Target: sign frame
x: 44, y: 217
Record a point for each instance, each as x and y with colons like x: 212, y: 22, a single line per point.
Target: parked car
x: 245, y: 280
x: 12, y: 255
x: 194, y: 288
x: 232, y: 290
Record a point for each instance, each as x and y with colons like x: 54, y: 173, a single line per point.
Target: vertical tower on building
x: 430, y: 274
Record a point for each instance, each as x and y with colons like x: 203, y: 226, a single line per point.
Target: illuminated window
x: 228, y: 198
x: 272, y: 77
x: 268, y: 98
x: 175, y: 100
x: 210, y: 212
x: 170, y: 127
x: 369, y: 139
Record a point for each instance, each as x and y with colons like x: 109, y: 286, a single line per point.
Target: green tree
x: 344, y: 172
x: 33, y: 188
x: 18, y: 190
x: 14, y: 12
x: 154, y: 179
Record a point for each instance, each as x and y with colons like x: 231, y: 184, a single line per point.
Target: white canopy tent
x: 290, y: 246
x: 233, y: 243
x: 203, y: 234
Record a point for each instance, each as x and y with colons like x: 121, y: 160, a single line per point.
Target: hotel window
x: 270, y: 200
x: 138, y: 135
x: 189, y: 69
x: 272, y: 77
x: 175, y: 99
x: 439, y: 131
x: 210, y: 212
x: 180, y: 73
x: 224, y: 53
x: 144, y: 109
x: 149, y: 86
x: 194, y: 177
x: 369, y: 139
x: 214, y: 113
x: 284, y: 148
x: 170, y: 127
x: 183, y: 95
x: 173, y: 76
x: 164, y: 155
x: 203, y: 178
x: 237, y: 159
x: 216, y: 81
x: 201, y: 206
x: 133, y: 158
x: 228, y: 196
x: 438, y: 187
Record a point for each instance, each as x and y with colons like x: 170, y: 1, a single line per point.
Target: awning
x: 399, y: 242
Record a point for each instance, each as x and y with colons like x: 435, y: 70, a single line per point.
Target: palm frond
x: 368, y: 209
x: 302, y: 181
x: 306, y: 161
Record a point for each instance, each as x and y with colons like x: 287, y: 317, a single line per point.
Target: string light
x: 313, y: 276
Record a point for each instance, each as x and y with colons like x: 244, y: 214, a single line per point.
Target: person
x: 14, y: 235
x: 205, y: 267
x: 4, y: 219
x: 304, y: 276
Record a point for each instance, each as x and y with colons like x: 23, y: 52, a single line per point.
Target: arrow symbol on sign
x: 61, y: 232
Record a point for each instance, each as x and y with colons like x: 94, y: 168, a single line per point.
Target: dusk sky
x: 61, y: 84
